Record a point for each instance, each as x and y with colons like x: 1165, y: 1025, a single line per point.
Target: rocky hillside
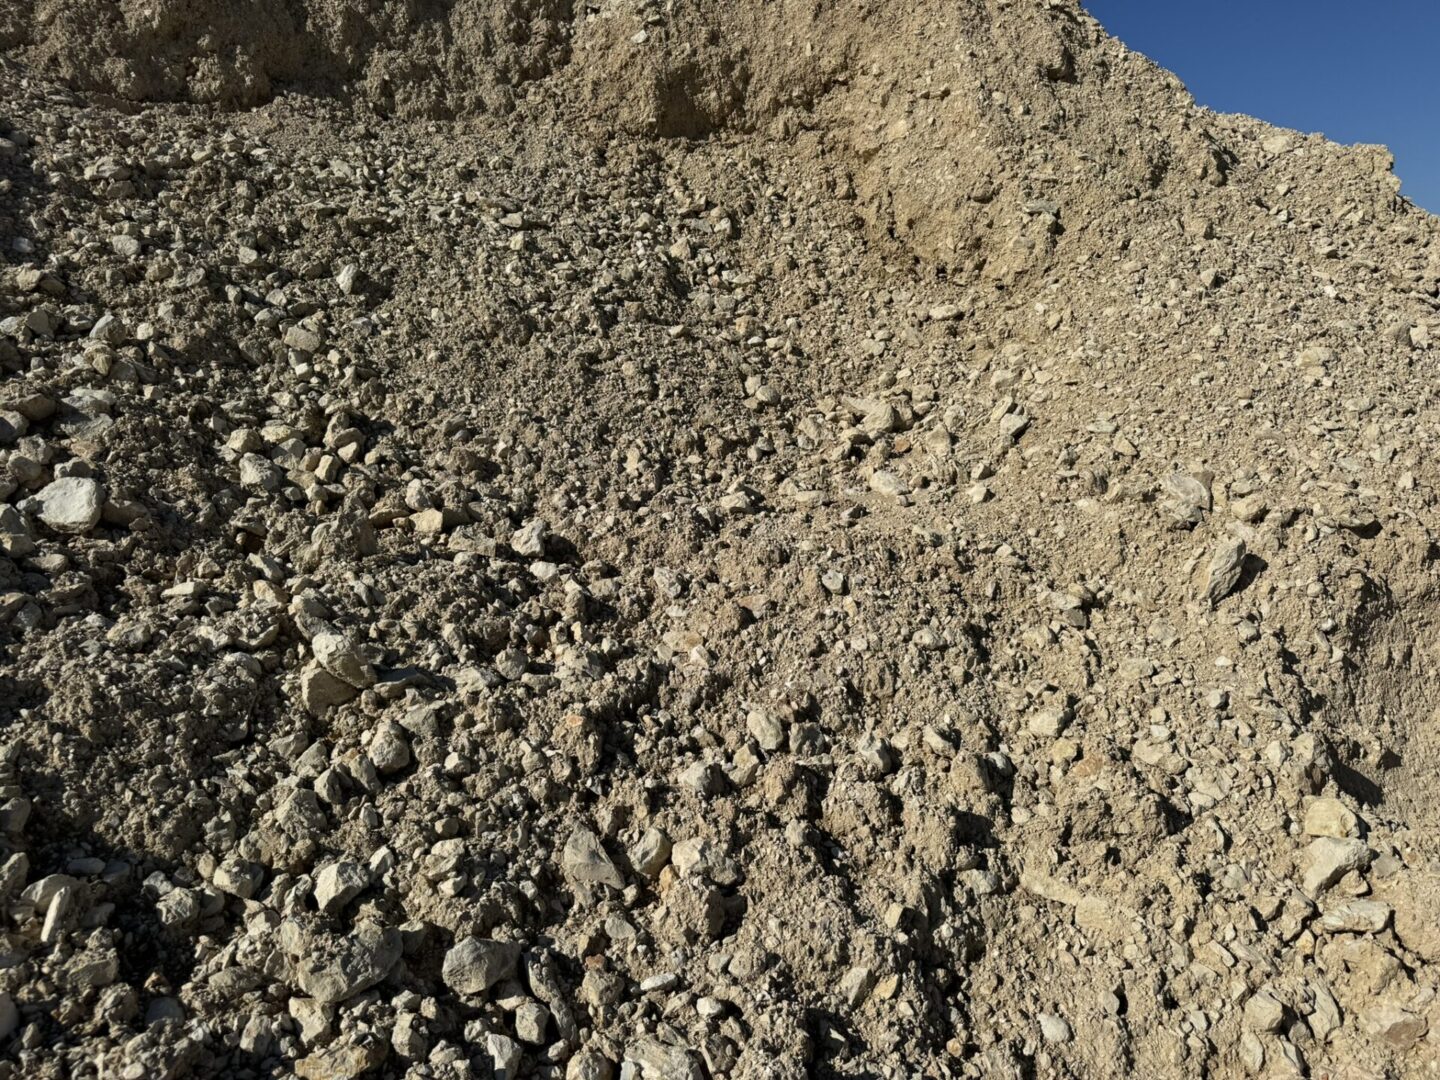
x: 704, y: 540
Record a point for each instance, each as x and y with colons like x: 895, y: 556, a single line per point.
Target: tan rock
x: 1395, y: 1026
x: 1327, y: 860
x: 1264, y: 1012
x: 585, y: 861
x: 1356, y: 917
x: 343, y: 1062
x: 320, y: 691
x: 1416, y: 900
x: 1331, y: 817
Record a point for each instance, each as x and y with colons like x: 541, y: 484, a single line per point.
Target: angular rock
x: 344, y: 1061
x: 1264, y: 1012
x: 239, y: 878
x: 72, y: 504
x: 589, y: 1065
x: 651, y: 853
x: 321, y: 691
x: 506, y: 1056
x: 1327, y: 860
x: 585, y: 862
x: 336, y: 969
x: 1395, y: 1026
x: 338, y: 883
x: 474, y: 964
x: 532, y: 1022
x: 1330, y: 817
x: 15, y: 538
x: 1356, y: 917
x: 389, y: 748
x: 661, y: 1061
x: 340, y: 656
x: 1054, y: 1028
x: 302, y: 339
x: 1414, y: 897
x: 1226, y: 566
x: 529, y: 539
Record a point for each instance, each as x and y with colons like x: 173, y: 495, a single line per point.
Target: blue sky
x: 1356, y: 71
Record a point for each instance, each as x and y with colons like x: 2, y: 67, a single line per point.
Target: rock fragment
x: 321, y: 691
x: 337, y: 884
x: 339, y: 655
x: 1330, y: 817
x: 72, y: 504
x: 585, y: 861
x: 474, y: 964
x: 1356, y: 917
x: 335, y: 969
x: 1223, y: 573
x: 529, y: 539
x: 659, y: 1061
x: 1263, y: 1012
x: 1054, y: 1028
x: 651, y: 853
x: 1327, y: 860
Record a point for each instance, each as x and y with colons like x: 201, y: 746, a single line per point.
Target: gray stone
x: 336, y: 969
x: 1263, y: 1012
x: 13, y: 872
x: 650, y: 853
x: 389, y: 749
x: 72, y: 504
x: 1356, y: 917
x: 1054, y: 1028
x: 589, y: 1065
x: 339, y: 655
x: 320, y: 691
x: 1226, y: 565
x: 532, y: 1022
x: 1328, y: 859
x: 855, y: 985
x: 660, y: 1061
x: 259, y: 473
x: 1331, y: 817
x: 506, y: 1056
x: 585, y: 861
x: 529, y: 539
x: 302, y: 339
x: 512, y: 664
x: 238, y: 878
x: 474, y: 965
x: 15, y: 538
x: 339, y: 883
x: 768, y: 731
x: 887, y: 483
x: 108, y: 329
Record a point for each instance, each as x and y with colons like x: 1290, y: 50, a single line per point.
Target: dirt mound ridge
x: 961, y: 126
x: 428, y: 58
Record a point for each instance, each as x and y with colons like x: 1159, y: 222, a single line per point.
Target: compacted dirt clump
x: 718, y: 539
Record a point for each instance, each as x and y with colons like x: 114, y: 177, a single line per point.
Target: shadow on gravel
x: 163, y: 960
x: 168, y: 954
x: 20, y: 194
x: 1357, y: 785
x: 156, y: 960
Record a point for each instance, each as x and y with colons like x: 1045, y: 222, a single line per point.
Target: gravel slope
x: 715, y: 540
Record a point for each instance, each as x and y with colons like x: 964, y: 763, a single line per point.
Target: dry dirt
x: 707, y: 539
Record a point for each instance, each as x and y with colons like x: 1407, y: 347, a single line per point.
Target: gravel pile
x: 709, y: 540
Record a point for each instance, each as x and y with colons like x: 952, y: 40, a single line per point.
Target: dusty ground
x: 706, y: 540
